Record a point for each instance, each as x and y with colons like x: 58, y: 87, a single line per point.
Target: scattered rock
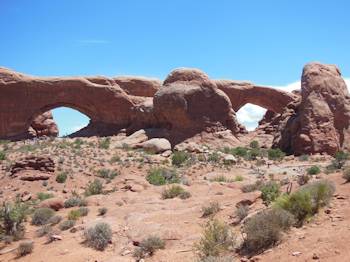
x: 53, y: 203
x: 156, y: 145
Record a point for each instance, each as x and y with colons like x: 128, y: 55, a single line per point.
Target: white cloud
x: 249, y: 115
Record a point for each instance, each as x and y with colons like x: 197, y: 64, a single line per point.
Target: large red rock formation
x: 43, y: 125
x: 320, y: 123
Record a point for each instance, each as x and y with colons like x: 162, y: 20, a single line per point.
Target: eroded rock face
x: 44, y: 164
x: 320, y: 123
x: 43, y: 125
x: 189, y: 102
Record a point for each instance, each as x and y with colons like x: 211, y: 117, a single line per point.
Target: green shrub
x: 174, y: 191
x: 241, y: 211
x: 217, y: 259
x: 41, y: 216
x: 270, y: 191
x: 12, y: 217
x: 275, y: 154
x: 2, y: 155
x: 74, y: 201
x: 264, y: 229
x: 346, y: 174
x: 107, y: 173
x: 98, y: 236
x: 214, y: 157
x: 54, y: 220
x: 340, y: 159
x: 217, y: 239
x: 179, y: 158
x: 44, y: 230
x: 102, y: 211
x: 239, y: 178
x: 221, y: 179
x: 94, y: 188
x: 148, y: 246
x: 65, y: 225
x: 84, y: 211
x: 25, y: 248
x: 240, y: 151
x: 114, y: 159
x: 252, y: 187
x: 254, y: 144
x: 61, y: 177
x: 104, y: 143
x: 162, y: 176
x: 314, y: 170
x: 43, y: 196
x: 253, y: 154
x: 74, y: 214
x: 211, y: 209
x: 307, y: 200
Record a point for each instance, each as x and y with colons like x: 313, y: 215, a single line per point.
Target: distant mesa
x: 188, y: 102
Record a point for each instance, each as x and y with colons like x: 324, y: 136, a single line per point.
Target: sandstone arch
x: 24, y: 97
x: 241, y: 93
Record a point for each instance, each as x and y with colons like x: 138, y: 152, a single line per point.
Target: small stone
x: 315, y: 256
x: 296, y: 253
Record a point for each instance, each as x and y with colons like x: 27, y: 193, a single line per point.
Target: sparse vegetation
x: 77, y: 213
x: 61, y: 177
x: 44, y: 230
x: 241, y: 212
x: 346, y: 174
x: 94, y: 188
x: 306, y: 201
x: 179, y: 158
x: 43, y: 196
x: 12, y: 218
x: 98, y: 236
x: 275, y: 154
x: 55, y: 220
x: 211, y: 209
x: 74, y: 201
x: 221, y: 179
x: 41, y: 216
x: 2, y: 155
x: 304, y: 158
x: 104, y: 143
x: 65, y: 225
x: 148, y: 246
x: 175, y: 191
x: 162, y: 176
x: 217, y: 240
x: 252, y: 187
x: 314, y: 170
x: 254, y: 144
x: 264, y: 229
x: 25, y: 248
x: 107, y: 173
x: 270, y: 191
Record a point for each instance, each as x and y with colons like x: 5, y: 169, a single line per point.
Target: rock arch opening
x: 249, y: 116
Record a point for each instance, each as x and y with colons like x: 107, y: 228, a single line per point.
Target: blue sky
x: 266, y: 42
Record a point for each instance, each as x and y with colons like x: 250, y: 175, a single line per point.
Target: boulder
x: 320, y: 123
x: 30, y: 163
x: 53, y: 203
x: 44, y: 125
x: 156, y: 145
x: 134, y: 139
x: 32, y: 175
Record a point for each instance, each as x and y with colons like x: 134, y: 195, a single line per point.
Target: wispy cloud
x: 93, y: 41
x: 249, y: 115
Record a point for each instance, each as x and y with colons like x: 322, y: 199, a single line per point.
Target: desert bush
x: 314, y: 170
x: 270, y: 191
x: 179, y: 158
x: 214, y: 157
x: 162, y: 176
x: 43, y: 196
x: 253, y: 154
x: 107, y: 173
x: 307, y: 200
x: 221, y: 179
x: 148, y: 246
x: 44, y: 230
x: 25, y: 248
x: 77, y: 213
x: 61, y: 177
x: 346, y: 174
x: 102, y: 211
x: 12, y: 218
x: 98, y: 236
x: 254, y: 144
x: 175, y: 191
x: 104, y: 143
x: 217, y: 259
x: 2, y: 155
x: 264, y: 229
x: 239, y: 151
x: 55, y: 220
x: 74, y: 201
x: 238, y: 178
x: 303, y: 179
x: 114, y: 159
x: 41, y: 216
x: 217, y: 239
x: 94, y: 188
x: 241, y: 211
x: 275, y: 154
x: 211, y: 209
x: 65, y: 225
x: 84, y: 211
